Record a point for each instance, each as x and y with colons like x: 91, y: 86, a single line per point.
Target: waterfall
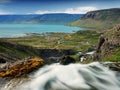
x: 94, y: 76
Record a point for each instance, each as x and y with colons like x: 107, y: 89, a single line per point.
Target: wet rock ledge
x: 21, y: 68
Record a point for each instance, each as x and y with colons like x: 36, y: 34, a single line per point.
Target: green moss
x: 114, y: 57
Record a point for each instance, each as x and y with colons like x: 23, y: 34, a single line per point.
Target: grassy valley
x: 80, y: 40
x: 48, y: 45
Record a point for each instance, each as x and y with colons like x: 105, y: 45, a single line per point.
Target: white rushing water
x: 93, y: 76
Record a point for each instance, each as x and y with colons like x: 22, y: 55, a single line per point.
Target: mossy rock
x: 22, y: 68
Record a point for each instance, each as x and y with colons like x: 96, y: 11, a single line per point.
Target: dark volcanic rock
x: 54, y: 55
x: 2, y: 60
x: 67, y: 60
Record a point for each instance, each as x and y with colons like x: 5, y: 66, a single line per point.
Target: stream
x: 93, y: 76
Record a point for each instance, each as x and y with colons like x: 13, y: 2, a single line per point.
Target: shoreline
x: 18, y: 30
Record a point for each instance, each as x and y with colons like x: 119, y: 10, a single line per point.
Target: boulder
x: 22, y: 68
x: 67, y: 60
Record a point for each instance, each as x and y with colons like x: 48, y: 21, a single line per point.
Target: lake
x: 17, y: 30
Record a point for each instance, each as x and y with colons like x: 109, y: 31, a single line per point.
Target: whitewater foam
x: 93, y: 76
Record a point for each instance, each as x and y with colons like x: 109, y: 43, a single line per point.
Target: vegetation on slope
x: 101, y: 19
x: 79, y: 41
x: 109, y: 45
x: 11, y: 52
x: 114, y: 56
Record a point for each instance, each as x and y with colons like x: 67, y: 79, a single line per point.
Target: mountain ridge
x: 40, y: 18
x: 99, y: 19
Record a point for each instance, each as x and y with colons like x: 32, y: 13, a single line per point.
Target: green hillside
x: 100, y: 19
x: 11, y: 52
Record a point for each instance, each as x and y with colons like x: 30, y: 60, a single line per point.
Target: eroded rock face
x: 100, y: 19
x: 54, y: 55
x: 102, y: 14
x: 108, y: 42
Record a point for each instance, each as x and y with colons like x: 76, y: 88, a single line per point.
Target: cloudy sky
x: 55, y: 6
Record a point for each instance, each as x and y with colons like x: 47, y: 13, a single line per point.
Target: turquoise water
x: 17, y: 30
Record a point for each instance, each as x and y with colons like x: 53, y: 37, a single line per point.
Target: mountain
x: 15, y: 18
x: 100, y: 19
x: 58, y: 18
